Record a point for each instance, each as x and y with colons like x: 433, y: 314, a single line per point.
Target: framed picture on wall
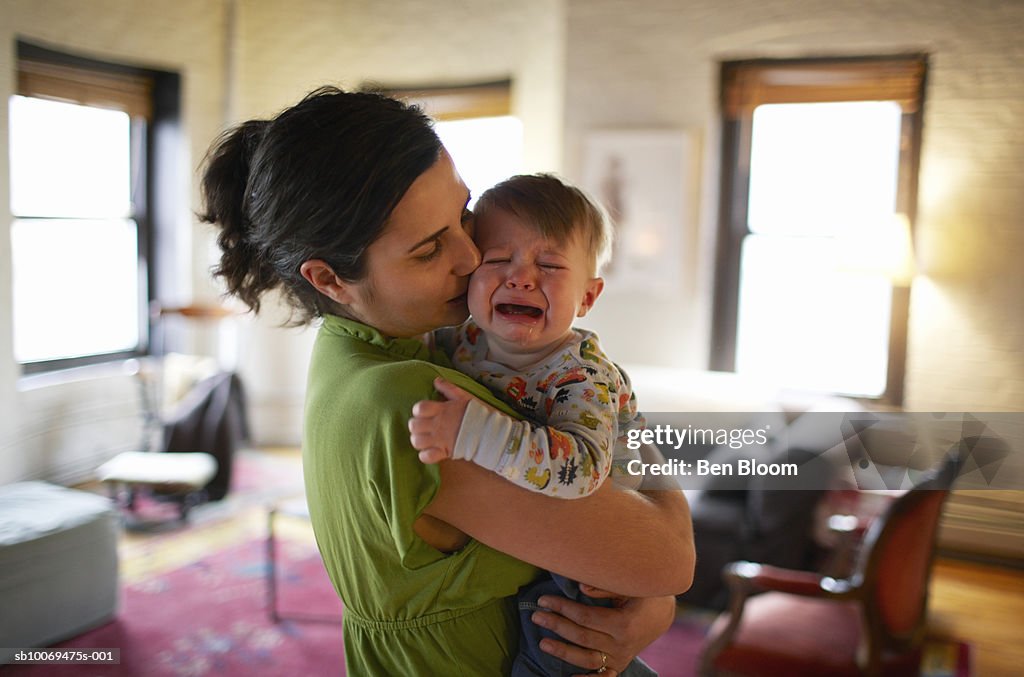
x: 644, y: 180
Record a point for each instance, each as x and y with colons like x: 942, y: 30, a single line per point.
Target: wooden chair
x: 869, y: 623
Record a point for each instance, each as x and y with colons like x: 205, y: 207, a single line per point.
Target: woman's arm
x: 636, y: 545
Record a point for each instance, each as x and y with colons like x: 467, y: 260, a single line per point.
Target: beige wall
x: 577, y: 65
x: 240, y: 59
x: 61, y: 430
x: 285, y: 49
x: 655, y: 64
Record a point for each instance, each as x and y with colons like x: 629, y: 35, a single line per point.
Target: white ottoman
x: 178, y: 477
x: 58, y: 563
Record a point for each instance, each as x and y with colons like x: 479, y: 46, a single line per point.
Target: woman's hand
x: 599, y: 637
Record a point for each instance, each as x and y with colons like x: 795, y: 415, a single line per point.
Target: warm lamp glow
x: 886, y: 249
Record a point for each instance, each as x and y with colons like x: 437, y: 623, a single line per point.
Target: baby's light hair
x: 558, y: 210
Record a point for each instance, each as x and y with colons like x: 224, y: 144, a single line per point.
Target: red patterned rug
x: 194, y: 602
x: 210, y: 618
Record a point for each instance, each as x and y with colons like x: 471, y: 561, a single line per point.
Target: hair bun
x: 225, y: 199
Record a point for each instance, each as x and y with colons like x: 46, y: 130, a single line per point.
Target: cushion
x: 33, y: 510
x: 192, y: 470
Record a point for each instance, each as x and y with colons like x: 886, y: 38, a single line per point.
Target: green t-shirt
x: 409, y: 608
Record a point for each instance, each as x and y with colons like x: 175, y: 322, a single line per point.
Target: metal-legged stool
x: 298, y: 509
x: 179, y: 478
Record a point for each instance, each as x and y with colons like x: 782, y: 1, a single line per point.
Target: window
x: 819, y: 173
x: 477, y: 128
x: 81, y: 167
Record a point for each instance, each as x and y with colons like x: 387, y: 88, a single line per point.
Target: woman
x: 348, y: 205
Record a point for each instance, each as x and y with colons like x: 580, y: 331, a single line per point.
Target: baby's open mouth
x: 516, y: 309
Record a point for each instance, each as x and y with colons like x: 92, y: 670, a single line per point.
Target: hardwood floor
x: 983, y: 605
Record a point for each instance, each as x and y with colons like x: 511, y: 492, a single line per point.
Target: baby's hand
x: 434, y: 425
x: 598, y: 593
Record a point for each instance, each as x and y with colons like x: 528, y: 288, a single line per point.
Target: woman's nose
x: 466, y: 258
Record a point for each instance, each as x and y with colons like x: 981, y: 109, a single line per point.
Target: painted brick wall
x: 283, y: 50
x: 655, y: 64
x: 580, y: 65
x: 286, y: 49
x: 245, y: 58
x: 60, y: 431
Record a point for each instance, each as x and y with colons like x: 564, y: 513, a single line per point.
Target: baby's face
x: 528, y: 290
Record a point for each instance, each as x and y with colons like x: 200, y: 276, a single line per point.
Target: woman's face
x: 418, y: 269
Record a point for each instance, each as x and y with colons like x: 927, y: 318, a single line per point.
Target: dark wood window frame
x: 152, y: 98
x: 455, y: 102
x: 748, y: 84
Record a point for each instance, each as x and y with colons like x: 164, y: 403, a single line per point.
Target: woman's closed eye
x: 433, y: 253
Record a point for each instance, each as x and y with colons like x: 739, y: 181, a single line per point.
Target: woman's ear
x: 593, y: 289
x: 320, y: 274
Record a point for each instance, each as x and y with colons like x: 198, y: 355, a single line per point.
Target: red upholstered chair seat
x: 819, y: 637
x: 800, y: 624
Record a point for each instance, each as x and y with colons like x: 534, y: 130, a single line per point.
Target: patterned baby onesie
x: 581, y: 406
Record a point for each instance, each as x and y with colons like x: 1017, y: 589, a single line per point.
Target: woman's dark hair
x: 319, y: 181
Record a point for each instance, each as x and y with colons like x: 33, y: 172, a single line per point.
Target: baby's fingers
x: 422, y: 424
x: 427, y: 409
x: 597, y: 593
x: 422, y: 434
x: 450, y: 391
x: 432, y: 455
